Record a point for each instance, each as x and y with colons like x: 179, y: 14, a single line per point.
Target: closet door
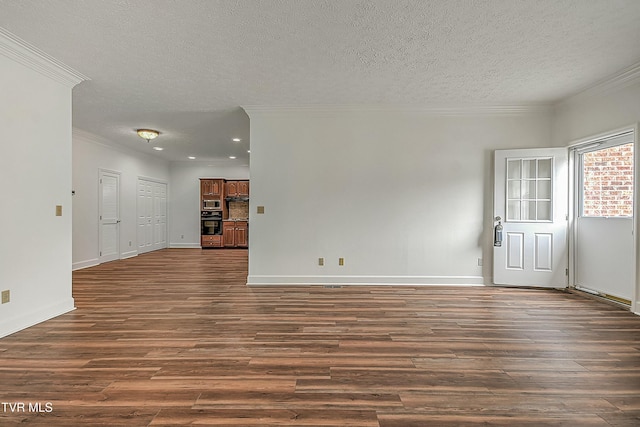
x: 159, y: 215
x: 145, y: 216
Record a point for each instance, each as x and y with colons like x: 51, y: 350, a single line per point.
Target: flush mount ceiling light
x: 148, y: 134
x: 236, y: 140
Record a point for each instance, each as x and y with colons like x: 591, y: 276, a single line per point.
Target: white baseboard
x: 85, y: 264
x: 256, y: 280
x: 185, y: 245
x: 129, y: 254
x: 8, y: 327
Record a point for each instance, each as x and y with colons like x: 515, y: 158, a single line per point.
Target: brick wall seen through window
x: 608, y: 182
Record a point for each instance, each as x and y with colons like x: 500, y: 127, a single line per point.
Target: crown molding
x: 91, y: 137
x: 623, y: 78
x: 30, y: 56
x: 447, y: 110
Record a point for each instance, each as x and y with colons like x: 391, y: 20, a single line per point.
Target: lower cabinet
x: 235, y: 234
x: 211, y: 241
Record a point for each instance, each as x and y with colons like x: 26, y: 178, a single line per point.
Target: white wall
x: 35, y: 176
x: 594, y: 113
x: 184, y: 204
x: 600, y: 110
x: 89, y: 155
x: 403, y: 196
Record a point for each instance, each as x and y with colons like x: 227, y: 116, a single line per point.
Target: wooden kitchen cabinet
x: 237, y: 189
x: 228, y: 201
x: 228, y: 233
x: 243, y: 188
x: 231, y: 188
x: 211, y: 241
x: 211, y: 187
x: 235, y: 234
x: 242, y: 234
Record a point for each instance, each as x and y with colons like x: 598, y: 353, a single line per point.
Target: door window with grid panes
x: 529, y: 185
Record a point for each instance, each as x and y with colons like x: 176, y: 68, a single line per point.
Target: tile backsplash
x: 238, y: 210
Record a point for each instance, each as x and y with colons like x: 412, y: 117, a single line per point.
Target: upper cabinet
x: 211, y: 187
x: 237, y: 189
x: 243, y: 188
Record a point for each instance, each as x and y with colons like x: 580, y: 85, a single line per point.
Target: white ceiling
x: 186, y: 67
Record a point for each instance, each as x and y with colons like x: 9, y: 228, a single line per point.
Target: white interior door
x: 145, y: 216
x: 159, y: 215
x: 109, y: 216
x: 531, y: 202
x: 152, y: 215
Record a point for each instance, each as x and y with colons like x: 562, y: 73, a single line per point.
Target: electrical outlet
x: 129, y: 242
x: 320, y: 261
x: 340, y: 261
x: 182, y: 236
x: 6, y: 296
x: 260, y: 210
x: 58, y: 210
x: 479, y: 262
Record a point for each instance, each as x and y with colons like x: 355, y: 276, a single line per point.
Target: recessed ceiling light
x: 232, y: 157
x: 236, y: 140
x: 191, y: 158
x: 158, y: 148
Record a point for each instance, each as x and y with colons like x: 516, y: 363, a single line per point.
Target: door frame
x: 102, y: 171
x: 574, y: 204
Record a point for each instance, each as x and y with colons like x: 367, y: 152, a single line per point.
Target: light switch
x: 260, y: 209
x: 58, y: 210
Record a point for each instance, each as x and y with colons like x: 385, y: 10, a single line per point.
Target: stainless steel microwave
x: 211, y: 205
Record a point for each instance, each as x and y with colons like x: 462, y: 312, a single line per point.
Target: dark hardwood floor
x: 175, y: 337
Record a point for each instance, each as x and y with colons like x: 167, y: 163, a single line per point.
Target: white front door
x: 531, y: 204
x: 109, y: 216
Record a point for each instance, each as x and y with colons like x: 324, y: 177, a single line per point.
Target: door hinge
x: 566, y: 271
x: 100, y: 253
x: 100, y: 216
x: 566, y: 217
x: 100, y: 180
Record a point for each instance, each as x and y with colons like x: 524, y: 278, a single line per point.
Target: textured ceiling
x: 185, y: 67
